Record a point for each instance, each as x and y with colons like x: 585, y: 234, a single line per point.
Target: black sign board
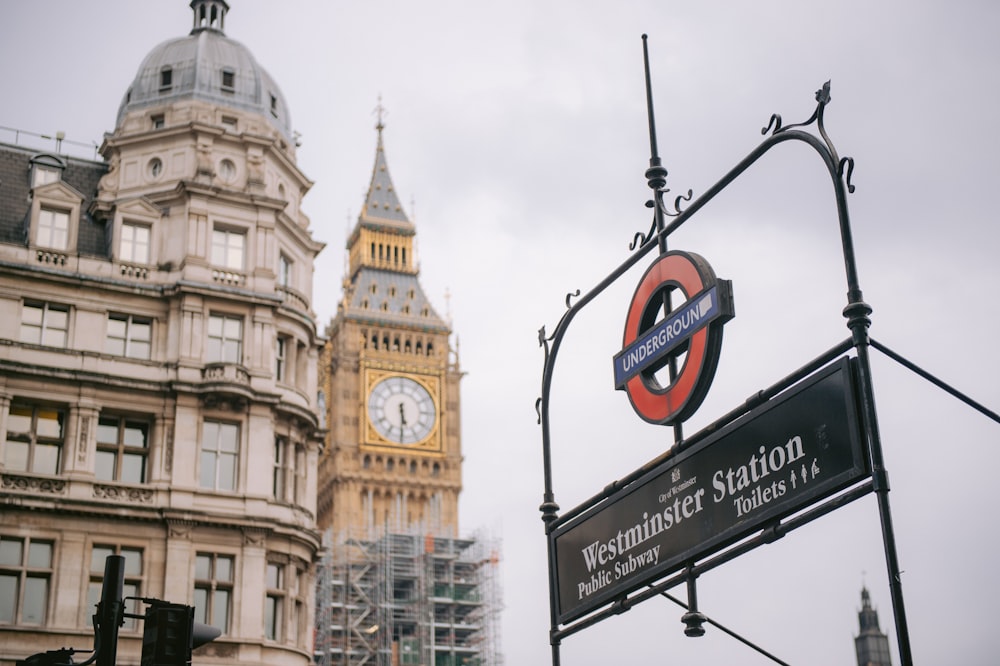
x: 800, y: 447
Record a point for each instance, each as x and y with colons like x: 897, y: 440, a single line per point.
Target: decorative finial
x: 823, y: 94
x: 380, y: 114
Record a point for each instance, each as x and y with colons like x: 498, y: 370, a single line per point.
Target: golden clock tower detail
x: 391, y: 383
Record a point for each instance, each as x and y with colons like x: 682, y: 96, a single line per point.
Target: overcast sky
x: 516, y: 135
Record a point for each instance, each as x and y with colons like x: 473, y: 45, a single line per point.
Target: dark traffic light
x: 170, y: 633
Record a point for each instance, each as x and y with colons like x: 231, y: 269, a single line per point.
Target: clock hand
x: 402, y: 415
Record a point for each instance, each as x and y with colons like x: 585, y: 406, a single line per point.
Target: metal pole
x: 857, y: 313
x: 656, y: 177
x: 109, y: 610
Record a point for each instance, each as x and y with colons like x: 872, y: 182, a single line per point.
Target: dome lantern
x: 209, y: 15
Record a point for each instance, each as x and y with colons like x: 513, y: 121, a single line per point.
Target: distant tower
x: 396, y: 585
x: 871, y: 644
x: 394, y: 457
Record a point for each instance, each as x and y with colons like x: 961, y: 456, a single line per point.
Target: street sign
x: 795, y: 450
x: 696, y: 325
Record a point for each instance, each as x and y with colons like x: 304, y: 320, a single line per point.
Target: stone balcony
x: 225, y: 382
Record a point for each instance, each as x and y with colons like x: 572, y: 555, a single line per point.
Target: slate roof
x: 381, y: 202
x: 15, y: 197
x: 388, y: 297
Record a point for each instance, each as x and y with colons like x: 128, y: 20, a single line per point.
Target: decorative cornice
x: 33, y: 484
x: 132, y: 494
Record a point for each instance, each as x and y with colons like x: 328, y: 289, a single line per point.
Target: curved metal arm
x: 780, y: 135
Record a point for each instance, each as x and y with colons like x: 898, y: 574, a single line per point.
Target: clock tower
x: 391, y: 382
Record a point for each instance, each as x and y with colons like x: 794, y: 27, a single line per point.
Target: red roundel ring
x: 691, y: 274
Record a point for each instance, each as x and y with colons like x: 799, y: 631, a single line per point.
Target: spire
x: 867, y: 616
x: 871, y: 645
x: 381, y: 202
x: 381, y: 283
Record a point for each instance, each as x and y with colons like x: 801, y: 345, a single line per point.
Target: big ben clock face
x: 401, y: 410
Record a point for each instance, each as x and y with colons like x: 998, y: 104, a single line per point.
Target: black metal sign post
x: 633, y: 533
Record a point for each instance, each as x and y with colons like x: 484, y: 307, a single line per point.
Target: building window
x: 281, y: 359
x: 122, y: 449
x: 228, y: 248
x: 129, y: 336
x: 280, y: 469
x: 228, y: 80
x: 159, y: 121
x: 220, y: 447
x: 53, y: 229
x: 230, y: 123
x: 34, y: 439
x: 274, y: 601
x: 166, y: 78
x: 274, y: 105
x: 213, y: 589
x: 45, y: 324
x: 134, y: 245
x: 284, y: 271
x: 297, y: 591
x: 225, y: 339
x: 25, y: 572
x: 299, y: 491
x: 227, y: 171
x: 133, y: 581
x: 43, y: 176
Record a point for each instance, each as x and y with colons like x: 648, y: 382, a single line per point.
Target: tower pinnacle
x: 871, y: 644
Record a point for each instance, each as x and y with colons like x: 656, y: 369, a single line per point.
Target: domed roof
x: 206, y: 65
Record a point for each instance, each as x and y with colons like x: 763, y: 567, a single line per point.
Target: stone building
x: 158, y: 365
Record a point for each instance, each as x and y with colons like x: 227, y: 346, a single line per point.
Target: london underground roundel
x: 651, y: 339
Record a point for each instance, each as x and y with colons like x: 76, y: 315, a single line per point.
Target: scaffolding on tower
x: 408, y: 598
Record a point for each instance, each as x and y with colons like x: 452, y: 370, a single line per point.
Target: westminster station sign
x: 797, y: 449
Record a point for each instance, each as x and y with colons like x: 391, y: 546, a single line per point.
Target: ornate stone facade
x: 158, y: 354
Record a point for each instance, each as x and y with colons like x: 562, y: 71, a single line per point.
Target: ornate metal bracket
x: 822, y: 99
